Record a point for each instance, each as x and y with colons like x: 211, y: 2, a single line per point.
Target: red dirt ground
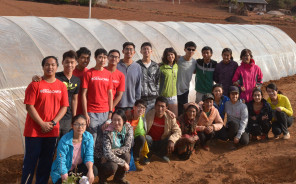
x: 273, y: 161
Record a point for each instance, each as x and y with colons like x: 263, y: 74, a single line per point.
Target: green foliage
x: 280, y: 4
x: 72, y: 178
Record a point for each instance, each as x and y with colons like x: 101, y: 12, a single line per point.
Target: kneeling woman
x: 112, y: 151
x: 283, y: 112
x: 260, y: 116
x: 74, y: 153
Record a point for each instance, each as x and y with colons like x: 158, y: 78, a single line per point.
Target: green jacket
x: 204, y: 76
x: 168, y: 80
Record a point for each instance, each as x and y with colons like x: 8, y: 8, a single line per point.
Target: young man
x: 150, y: 76
x: 97, y: 98
x: 204, y: 73
x: 118, y: 78
x: 46, y: 103
x: 186, y: 67
x: 133, y: 74
x: 83, y: 55
x: 162, y: 130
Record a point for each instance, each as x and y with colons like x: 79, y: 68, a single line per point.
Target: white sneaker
x: 287, y: 136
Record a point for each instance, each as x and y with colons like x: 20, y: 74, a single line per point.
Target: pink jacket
x: 213, y: 119
x: 248, y: 75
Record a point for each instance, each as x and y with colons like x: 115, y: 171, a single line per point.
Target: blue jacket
x: 221, y: 106
x: 63, y: 162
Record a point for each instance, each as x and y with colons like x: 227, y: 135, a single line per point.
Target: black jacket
x: 266, y: 110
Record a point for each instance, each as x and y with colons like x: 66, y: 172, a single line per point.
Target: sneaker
x: 276, y: 137
x: 206, y: 148
x: 287, y: 136
x: 165, y: 159
x: 146, y: 161
x: 138, y: 166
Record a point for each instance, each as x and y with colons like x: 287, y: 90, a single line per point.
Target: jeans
x: 203, y: 137
x: 282, y: 123
x: 139, y: 142
x: 232, y: 131
x: 182, y: 99
x: 96, y: 120
x: 157, y: 147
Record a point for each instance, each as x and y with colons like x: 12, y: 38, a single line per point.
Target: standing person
x: 282, y: 110
x: 46, y: 103
x: 260, y: 115
x: 225, y: 70
x: 83, y: 55
x: 133, y: 74
x: 97, y: 95
x: 247, y: 76
x: 186, y: 67
x: 118, y: 79
x: 237, y: 118
x: 150, y: 76
x: 75, y: 150
x: 168, y: 78
x: 112, y: 150
x: 204, y: 73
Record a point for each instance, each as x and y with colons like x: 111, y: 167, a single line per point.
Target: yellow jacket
x: 283, y: 103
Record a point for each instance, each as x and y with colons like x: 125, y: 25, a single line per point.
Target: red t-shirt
x: 79, y: 74
x: 47, y: 98
x: 97, y: 84
x: 157, y: 128
x: 118, y: 81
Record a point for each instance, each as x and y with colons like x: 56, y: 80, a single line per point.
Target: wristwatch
x: 54, y: 123
x: 111, y: 112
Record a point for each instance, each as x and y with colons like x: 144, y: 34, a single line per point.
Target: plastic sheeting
x: 24, y: 41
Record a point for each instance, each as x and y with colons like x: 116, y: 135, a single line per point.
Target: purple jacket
x: 223, y: 74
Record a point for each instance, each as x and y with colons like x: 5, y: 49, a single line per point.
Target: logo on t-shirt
x: 100, y: 79
x: 115, y: 81
x: 50, y: 91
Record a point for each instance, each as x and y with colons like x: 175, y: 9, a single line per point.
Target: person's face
x: 113, y: 58
x: 139, y: 110
x: 189, y: 51
x: 208, y: 104
x: 191, y: 113
x: 272, y: 93
x: 226, y: 57
x: 79, y: 126
x: 217, y: 92
x: 246, y: 58
x: 257, y: 96
x: 101, y: 60
x: 128, y: 51
x: 69, y: 64
x: 50, y: 67
x: 146, y: 51
x: 171, y: 57
x: 234, y: 97
x: 83, y: 60
x: 160, y: 108
x: 117, y: 122
x: 206, y: 54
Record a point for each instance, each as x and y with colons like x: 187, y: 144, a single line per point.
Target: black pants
x: 204, y: 137
x: 139, y: 143
x: 110, y: 168
x: 65, y: 127
x: 182, y: 99
x: 232, y: 131
x: 157, y: 147
x: 257, y: 127
x: 222, y: 134
x: 81, y: 168
x: 282, y: 123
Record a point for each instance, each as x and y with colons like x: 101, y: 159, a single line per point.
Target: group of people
x: 120, y: 108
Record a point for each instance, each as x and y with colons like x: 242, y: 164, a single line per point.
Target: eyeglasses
x: 114, y: 57
x: 190, y: 49
x: 77, y: 125
x: 141, y: 107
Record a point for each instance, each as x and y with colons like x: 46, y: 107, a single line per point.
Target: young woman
x: 283, y: 112
x: 247, y: 76
x: 237, y: 118
x: 260, y: 116
x: 225, y: 70
x: 112, y: 150
x: 168, y: 78
x: 219, y: 99
x: 74, y: 153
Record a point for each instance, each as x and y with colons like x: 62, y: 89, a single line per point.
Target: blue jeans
x: 41, y: 150
x: 96, y: 121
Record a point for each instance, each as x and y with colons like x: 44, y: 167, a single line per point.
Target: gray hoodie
x: 237, y: 113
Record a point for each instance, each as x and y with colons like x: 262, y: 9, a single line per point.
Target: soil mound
x: 236, y: 19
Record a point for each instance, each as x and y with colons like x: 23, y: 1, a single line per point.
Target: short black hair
x: 100, y: 51
x: 217, y: 85
x: 48, y: 57
x: 146, y: 44
x: 207, y: 48
x: 190, y: 44
x: 113, y: 50
x: 142, y: 102
x: 121, y: 113
x: 162, y: 99
x: 70, y: 54
x: 83, y: 50
x: 127, y: 44
x: 75, y: 118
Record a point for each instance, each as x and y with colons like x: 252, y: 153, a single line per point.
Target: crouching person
x: 163, y: 131
x: 112, y: 150
x: 74, y: 153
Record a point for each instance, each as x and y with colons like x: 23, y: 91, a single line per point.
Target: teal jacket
x: 168, y: 80
x: 63, y: 162
x: 204, y: 76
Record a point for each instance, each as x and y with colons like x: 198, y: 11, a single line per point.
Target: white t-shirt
x: 185, y: 71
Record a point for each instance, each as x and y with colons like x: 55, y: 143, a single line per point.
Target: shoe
x: 121, y: 181
x: 287, y: 136
x: 165, y: 159
x: 276, y: 137
x: 264, y: 137
x: 138, y: 166
x: 254, y: 138
x: 206, y: 148
x: 146, y: 161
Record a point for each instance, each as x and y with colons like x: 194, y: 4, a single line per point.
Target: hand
x: 243, y: 88
x: 64, y: 176
x: 87, y: 120
x: 201, y: 128
x: 193, y: 139
x: 278, y: 109
x: 104, y: 126
x: 254, y: 118
x: 209, y: 129
x: 236, y: 140
x: 90, y: 176
x: 46, y: 127
x: 236, y: 83
x: 264, y: 117
x: 109, y: 115
x: 126, y: 167
x: 36, y: 78
x: 171, y: 114
x: 171, y: 146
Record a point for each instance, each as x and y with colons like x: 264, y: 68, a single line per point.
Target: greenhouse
x: 25, y: 41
